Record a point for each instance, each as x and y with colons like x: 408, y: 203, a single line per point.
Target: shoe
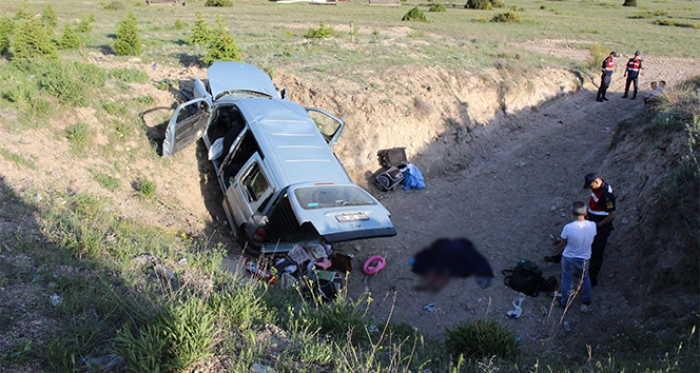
x: 634, y: 98
x: 624, y: 96
x: 586, y: 308
x: 599, y: 100
x: 605, y: 99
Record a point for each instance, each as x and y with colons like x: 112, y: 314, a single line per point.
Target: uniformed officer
x: 601, y: 211
x: 634, y: 67
x: 607, y: 70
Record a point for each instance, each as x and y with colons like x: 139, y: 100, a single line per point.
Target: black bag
x: 526, y: 278
x: 389, y: 179
x: 392, y: 157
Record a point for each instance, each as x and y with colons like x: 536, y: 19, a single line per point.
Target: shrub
x: 201, y: 33
x: 128, y: 41
x: 670, y: 22
x: 85, y: 24
x: 509, y: 16
x: 219, y: 3
x: 72, y: 83
x: 223, y: 48
x: 643, y: 15
x: 630, y: 3
x: 33, y: 41
x: 7, y: 27
x: 478, y: 4
x: 481, y: 339
x: 114, y: 5
x: 70, y: 38
x: 414, y: 15
x: 437, y: 7
x: 129, y: 75
x: 79, y: 135
x: 48, y: 17
x: 179, y: 25
x: 146, y: 187
x: 320, y: 33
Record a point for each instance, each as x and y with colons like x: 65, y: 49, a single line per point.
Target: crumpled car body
x: 281, y: 182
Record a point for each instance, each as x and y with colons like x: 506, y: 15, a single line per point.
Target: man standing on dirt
x: 607, y: 69
x: 577, y: 237
x: 634, y: 67
x: 601, y: 211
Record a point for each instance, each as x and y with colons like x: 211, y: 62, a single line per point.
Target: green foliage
x: 108, y: 182
x: 146, y: 187
x: 32, y: 41
x: 671, y: 22
x: 70, y: 38
x: 414, y: 15
x: 80, y: 135
x: 481, y: 338
x: 630, y: 3
x: 508, y: 16
x: 223, y: 3
x: 85, y: 24
x: 238, y: 307
x: 597, y: 55
x: 7, y: 27
x: 478, y: 4
x: 129, y: 75
x: 322, y: 32
x: 128, y: 42
x: 437, y: 7
x: 201, y: 33
x: 72, y: 83
x: 23, y: 14
x: 179, y: 25
x: 48, y: 17
x: 114, y: 5
x: 223, y: 49
x: 18, y: 160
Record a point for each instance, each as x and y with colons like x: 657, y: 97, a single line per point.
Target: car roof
x: 292, y: 144
x: 236, y: 76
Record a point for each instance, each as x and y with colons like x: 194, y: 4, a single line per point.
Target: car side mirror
x: 284, y: 94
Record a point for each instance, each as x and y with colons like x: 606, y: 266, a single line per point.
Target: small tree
x: 414, y: 15
x: 49, y: 18
x: 437, y: 7
x: 85, y: 24
x: 478, y: 4
x: 33, y: 41
x: 222, y: 3
x: 224, y: 48
x: 201, y: 33
x: 630, y: 3
x: 128, y: 41
x: 7, y: 27
x: 70, y: 39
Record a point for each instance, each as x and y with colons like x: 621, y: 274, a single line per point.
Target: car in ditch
x: 273, y: 158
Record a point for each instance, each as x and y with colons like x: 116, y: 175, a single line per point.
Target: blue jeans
x: 569, y: 267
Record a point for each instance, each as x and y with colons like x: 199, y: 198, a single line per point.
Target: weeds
x: 79, y: 136
x: 481, y: 339
x: 322, y: 32
x: 146, y: 187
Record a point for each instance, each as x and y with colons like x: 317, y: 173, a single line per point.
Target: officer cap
x: 589, y: 179
x: 637, y: 53
x: 614, y: 54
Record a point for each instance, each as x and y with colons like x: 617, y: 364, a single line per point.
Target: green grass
x: 18, y: 159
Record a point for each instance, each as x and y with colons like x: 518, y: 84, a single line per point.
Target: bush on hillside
x: 70, y: 39
x: 128, y: 42
x: 7, y: 27
x: 85, y: 24
x: 414, y: 15
x: 437, y: 7
x: 201, y: 33
x: 114, y: 5
x: 322, y: 32
x: 509, y: 16
x: 224, y: 48
x: 630, y: 3
x: 225, y: 3
x: 481, y: 339
x: 179, y: 25
x: 48, y: 17
x: 484, y: 4
x: 32, y: 41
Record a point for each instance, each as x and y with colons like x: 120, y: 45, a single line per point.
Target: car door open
x: 186, y: 125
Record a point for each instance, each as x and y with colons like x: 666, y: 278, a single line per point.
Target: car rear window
x: 320, y: 197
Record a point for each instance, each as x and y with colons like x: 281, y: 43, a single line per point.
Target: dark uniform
x: 600, y: 205
x: 607, y: 69
x: 634, y: 65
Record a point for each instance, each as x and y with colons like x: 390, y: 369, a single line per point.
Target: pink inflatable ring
x: 374, y: 265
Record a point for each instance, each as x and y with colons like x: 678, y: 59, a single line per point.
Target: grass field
x: 108, y: 297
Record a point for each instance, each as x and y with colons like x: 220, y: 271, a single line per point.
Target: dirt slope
x: 502, y: 168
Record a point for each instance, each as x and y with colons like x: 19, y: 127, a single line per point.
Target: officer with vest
x: 607, y: 69
x: 601, y: 211
x: 634, y: 67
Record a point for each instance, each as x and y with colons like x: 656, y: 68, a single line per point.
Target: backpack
x: 527, y: 278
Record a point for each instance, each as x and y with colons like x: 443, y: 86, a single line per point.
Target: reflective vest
x: 608, y: 65
x: 633, y: 65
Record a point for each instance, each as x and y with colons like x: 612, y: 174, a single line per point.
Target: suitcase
x: 392, y: 157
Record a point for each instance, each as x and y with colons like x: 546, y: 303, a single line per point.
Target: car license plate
x: 351, y: 217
